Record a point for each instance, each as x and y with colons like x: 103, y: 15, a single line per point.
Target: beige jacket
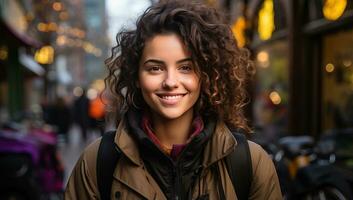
x: 132, y: 180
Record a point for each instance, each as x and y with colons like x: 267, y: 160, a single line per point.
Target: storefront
x: 19, y: 71
x: 303, y: 52
x: 331, y: 29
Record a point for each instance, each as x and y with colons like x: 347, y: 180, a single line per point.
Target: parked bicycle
x: 306, y: 171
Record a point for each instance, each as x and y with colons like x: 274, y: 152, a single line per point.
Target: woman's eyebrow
x: 162, y: 62
x: 184, y: 60
x: 154, y: 61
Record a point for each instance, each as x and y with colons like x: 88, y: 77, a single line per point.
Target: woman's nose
x: 170, y: 81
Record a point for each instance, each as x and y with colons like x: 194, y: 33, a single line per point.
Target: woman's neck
x: 172, y: 131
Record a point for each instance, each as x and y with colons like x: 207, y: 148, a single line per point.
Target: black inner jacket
x: 175, y: 177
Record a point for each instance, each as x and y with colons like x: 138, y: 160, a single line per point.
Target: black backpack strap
x: 239, y: 167
x: 107, y: 158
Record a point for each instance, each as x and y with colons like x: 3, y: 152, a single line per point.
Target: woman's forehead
x: 165, y: 46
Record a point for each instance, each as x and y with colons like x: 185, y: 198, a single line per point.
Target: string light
x: 57, y: 6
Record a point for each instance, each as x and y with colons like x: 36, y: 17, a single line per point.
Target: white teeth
x: 172, y: 97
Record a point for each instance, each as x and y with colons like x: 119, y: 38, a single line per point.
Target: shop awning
x: 22, y: 39
x: 31, y: 64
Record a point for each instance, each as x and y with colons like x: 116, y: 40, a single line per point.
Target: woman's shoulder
x: 258, y: 155
x: 84, y: 173
x: 256, y: 150
x: 265, y: 184
x: 88, y: 158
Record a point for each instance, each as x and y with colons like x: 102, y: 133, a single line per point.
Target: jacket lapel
x: 130, y: 171
x: 126, y: 144
x: 135, y: 178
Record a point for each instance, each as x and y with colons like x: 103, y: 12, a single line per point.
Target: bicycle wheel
x: 326, y: 193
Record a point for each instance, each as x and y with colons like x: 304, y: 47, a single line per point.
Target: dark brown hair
x: 224, y: 68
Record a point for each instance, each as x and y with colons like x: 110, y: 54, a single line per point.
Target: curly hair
x: 224, y: 69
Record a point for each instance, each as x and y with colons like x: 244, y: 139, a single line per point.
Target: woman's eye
x: 155, y: 68
x: 186, y: 68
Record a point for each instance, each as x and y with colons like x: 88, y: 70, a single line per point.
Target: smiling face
x: 167, y: 77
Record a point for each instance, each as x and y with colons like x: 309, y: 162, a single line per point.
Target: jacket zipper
x: 177, y: 181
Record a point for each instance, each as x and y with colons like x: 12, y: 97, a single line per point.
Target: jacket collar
x: 127, y: 144
x: 219, y: 145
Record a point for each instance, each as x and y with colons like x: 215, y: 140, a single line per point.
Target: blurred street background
x: 52, y: 73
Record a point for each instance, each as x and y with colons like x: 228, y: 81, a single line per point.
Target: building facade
x: 303, y: 52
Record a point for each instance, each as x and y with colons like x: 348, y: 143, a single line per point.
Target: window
x: 337, y: 80
x: 271, y: 95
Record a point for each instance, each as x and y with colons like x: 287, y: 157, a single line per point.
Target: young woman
x: 179, y: 78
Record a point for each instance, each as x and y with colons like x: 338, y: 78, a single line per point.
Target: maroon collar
x: 197, y: 127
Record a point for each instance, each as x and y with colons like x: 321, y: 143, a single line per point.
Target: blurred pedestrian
x: 61, y: 118
x: 80, y: 110
x: 97, y: 114
x: 181, y: 79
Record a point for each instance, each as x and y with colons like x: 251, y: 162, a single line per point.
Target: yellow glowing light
x: 52, y: 26
x: 266, y: 24
x: 42, y: 27
x: 262, y: 56
x: 333, y: 9
x: 275, y: 98
x: 3, y: 53
x: 57, y: 6
x: 238, y: 29
x: 61, y: 40
x: 330, y: 67
x: 45, y: 55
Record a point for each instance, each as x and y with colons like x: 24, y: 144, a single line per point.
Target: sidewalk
x: 71, y: 151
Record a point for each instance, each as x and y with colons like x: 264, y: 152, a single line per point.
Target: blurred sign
x: 238, y: 29
x: 45, y: 55
x: 333, y: 9
x: 266, y: 24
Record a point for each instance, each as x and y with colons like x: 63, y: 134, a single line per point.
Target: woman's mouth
x: 170, y: 99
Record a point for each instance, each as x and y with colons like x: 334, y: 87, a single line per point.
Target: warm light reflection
x: 275, y: 98
x: 347, y: 63
x: 330, y: 67
x: 266, y: 24
x: 333, y: 9
x: 238, y: 30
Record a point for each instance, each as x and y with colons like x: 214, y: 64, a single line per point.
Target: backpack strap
x: 239, y: 167
x: 107, y: 158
